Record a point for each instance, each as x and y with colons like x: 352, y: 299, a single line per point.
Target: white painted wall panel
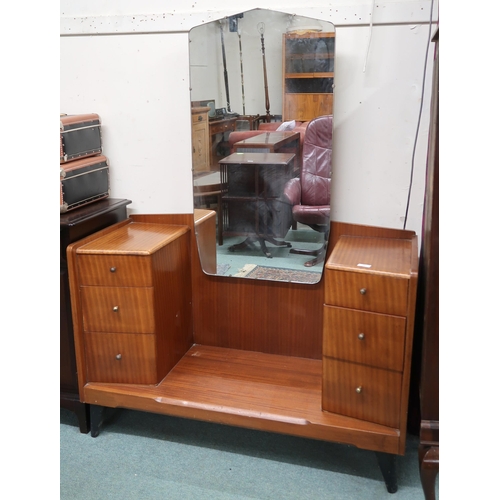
x: 139, y: 85
x: 376, y: 114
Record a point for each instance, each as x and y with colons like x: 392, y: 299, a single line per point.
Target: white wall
x: 128, y: 61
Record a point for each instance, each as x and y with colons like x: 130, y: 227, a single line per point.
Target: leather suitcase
x: 83, y: 181
x: 80, y: 136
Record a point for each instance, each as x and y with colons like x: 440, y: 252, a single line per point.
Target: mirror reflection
x: 262, y: 126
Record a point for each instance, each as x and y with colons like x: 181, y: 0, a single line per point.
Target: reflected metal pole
x: 225, y: 66
x: 241, y: 70
x: 261, y: 29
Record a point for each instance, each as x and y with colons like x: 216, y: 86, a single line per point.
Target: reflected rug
x: 278, y: 274
x: 222, y: 268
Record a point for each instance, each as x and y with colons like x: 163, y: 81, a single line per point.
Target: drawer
x: 363, y: 337
x: 120, y: 358
x: 199, y: 118
x: 362, y: 392
x: 115, y: 270
x: 222, y: 127
x: 119, y: 310
x: 366, y: 291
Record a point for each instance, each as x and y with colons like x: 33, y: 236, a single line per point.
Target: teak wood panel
x: 358, y: 391
x: 382, y: 340
x: 248, y: 389
x: 114, y: 309
x: 173, y: 301
x: 121, y: 358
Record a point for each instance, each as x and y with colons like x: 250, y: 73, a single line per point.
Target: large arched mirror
x: 262, y: 119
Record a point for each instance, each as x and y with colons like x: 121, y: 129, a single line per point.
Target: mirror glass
x: 262, y: 118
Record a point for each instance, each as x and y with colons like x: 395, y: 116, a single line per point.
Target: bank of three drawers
x: 133, y: 314
x: 367, y: 283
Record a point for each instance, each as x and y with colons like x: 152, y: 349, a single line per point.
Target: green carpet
x: 144, y: 456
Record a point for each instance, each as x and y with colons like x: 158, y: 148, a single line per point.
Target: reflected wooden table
x: 271, y: 142
x: 207, y: 186
x: 253, y: 198
x: 268, y: 142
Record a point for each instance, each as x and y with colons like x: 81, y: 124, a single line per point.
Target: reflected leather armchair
x: 309, y: 194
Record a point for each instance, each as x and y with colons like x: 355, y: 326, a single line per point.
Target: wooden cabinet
x: 367, y: 329
x: 75, y: 225
x: 132, y: 323
x: 428, y: 304
x: 200, y: 138
x: 219, y: 132
x: 274, y: 356
x: 308, y: 75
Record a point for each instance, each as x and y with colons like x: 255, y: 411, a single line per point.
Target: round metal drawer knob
x: 362, y: 291
x: 361, y: 336
x: 112, y: 269
x: 118, y: 357
x: 115, y: 309
x: 359, y: 389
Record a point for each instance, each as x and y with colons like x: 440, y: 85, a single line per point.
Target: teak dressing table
x: 196, y: 348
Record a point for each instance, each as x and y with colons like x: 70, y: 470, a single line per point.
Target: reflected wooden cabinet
x: 200, y: 138
x: 308, y: 75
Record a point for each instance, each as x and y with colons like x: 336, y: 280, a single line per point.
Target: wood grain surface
x: 254, y: 390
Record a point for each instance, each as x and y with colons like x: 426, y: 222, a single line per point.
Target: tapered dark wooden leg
x: 96, y: 418
x: 429, y: 468
x: 81, y: 410
x: 83, y: 415
x: 387, y: 464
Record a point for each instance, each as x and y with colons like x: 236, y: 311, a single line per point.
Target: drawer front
x: 119, y: 310
x: 115, y: 270
x: 199, y: 118
x: 222, y: 127
x: 365, y: 291
x: 363, y: 337
x: 120, y: 358
x: 362, y: 392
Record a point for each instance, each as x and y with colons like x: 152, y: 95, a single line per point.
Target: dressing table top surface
x: 135, y: 238
x: 374, y: 255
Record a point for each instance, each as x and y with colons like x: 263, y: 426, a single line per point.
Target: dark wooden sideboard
x: 428, y: 304
x: 75, y: 225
